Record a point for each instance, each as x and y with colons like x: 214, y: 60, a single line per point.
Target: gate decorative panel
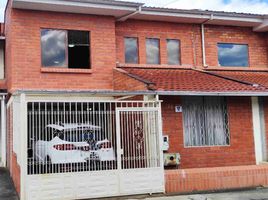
x: 138, y: 143
x: 139, y: 139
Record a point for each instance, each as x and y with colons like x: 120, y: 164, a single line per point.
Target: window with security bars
x: 205, y: 121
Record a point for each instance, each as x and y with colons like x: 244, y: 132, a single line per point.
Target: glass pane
x: 78, y: 49
x: 233, y: 55
x: 152, y: 51
x: 78, y: 57
x: 78, y: 37
x: 53, y: 45
x: 131, y: 50
x: 173, y: 51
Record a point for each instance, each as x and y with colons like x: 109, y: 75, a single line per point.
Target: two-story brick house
x: 93, y: 85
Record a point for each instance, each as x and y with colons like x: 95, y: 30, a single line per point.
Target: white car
x: 72, y: 143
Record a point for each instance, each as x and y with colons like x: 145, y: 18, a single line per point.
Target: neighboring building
x: 92, y: 87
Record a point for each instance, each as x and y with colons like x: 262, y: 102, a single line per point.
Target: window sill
x: 65, y: 70
x: 211, y: 147
x: 154, y: 66
x: 250, y: 68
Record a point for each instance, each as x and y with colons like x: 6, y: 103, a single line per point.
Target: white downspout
x: 203, y: 41
x: 203, y: 45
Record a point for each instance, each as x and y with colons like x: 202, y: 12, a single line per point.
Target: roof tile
x: 166, y: 79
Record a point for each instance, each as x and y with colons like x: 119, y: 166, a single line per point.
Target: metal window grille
x: 81, y: 136
x: 205, y: 121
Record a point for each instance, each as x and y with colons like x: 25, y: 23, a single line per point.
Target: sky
x: 245, y: 6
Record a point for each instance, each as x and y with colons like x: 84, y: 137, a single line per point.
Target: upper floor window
x: 233, y: 54
x: 61, y: 48
x: 152, y: 51
x: 131, y: 50
x: 173, y: 51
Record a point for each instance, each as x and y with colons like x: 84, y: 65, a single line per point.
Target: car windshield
x: 78, y: 135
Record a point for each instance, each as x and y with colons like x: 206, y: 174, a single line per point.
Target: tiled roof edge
x: 147, y: 82
x: 230, y: 78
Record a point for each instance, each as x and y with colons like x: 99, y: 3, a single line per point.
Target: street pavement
x: 253, y: 194
x: 7, y: 190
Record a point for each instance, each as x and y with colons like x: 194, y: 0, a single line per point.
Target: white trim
x: 257, y: 129
x: 23, y: 153
x: 86, y: 95
x: 124, y: 18
x: 141, y: 109
x: 10, y: 101
x: 160, y: 126
x: 262, y: 27
x: 3, y: 133
x: 197, y: 93
x: 89, y: 4
x: 80, y: 7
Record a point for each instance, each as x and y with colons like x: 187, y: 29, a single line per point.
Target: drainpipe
x: 203, y: 40
x: 125, y: 17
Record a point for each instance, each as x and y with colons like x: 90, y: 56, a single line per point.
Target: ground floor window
x: 205, y: 121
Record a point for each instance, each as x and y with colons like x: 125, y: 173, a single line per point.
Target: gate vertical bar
x: 118, y: 147
x: 118, y: 140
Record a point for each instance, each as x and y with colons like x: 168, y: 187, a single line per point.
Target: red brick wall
x: 218, y: 178
x: 188, y: 34
x: 190, y: 38
x: 24, y: 54
x: 240, y: 151
x: 257, y: 47
x: 2, y: 29
x: 15, y: 173
x: 11, y: 156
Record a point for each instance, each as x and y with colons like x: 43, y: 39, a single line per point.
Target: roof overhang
x: 127, y: 10
x: 124, y: 93
x: 193, y: 82
x: 198, y: 93
x: 93, y: 7
x: 263, y: 27
x: 82, y: 92
x: 199, y: 16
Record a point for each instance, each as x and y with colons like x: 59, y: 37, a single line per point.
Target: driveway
x: 7, y: 190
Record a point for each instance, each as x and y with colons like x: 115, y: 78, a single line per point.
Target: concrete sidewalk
x: 7, y: 190
x: 254, y: 194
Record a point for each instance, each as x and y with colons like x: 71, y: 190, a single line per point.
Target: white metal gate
x: 93, y: 149
x: 139, y: 154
